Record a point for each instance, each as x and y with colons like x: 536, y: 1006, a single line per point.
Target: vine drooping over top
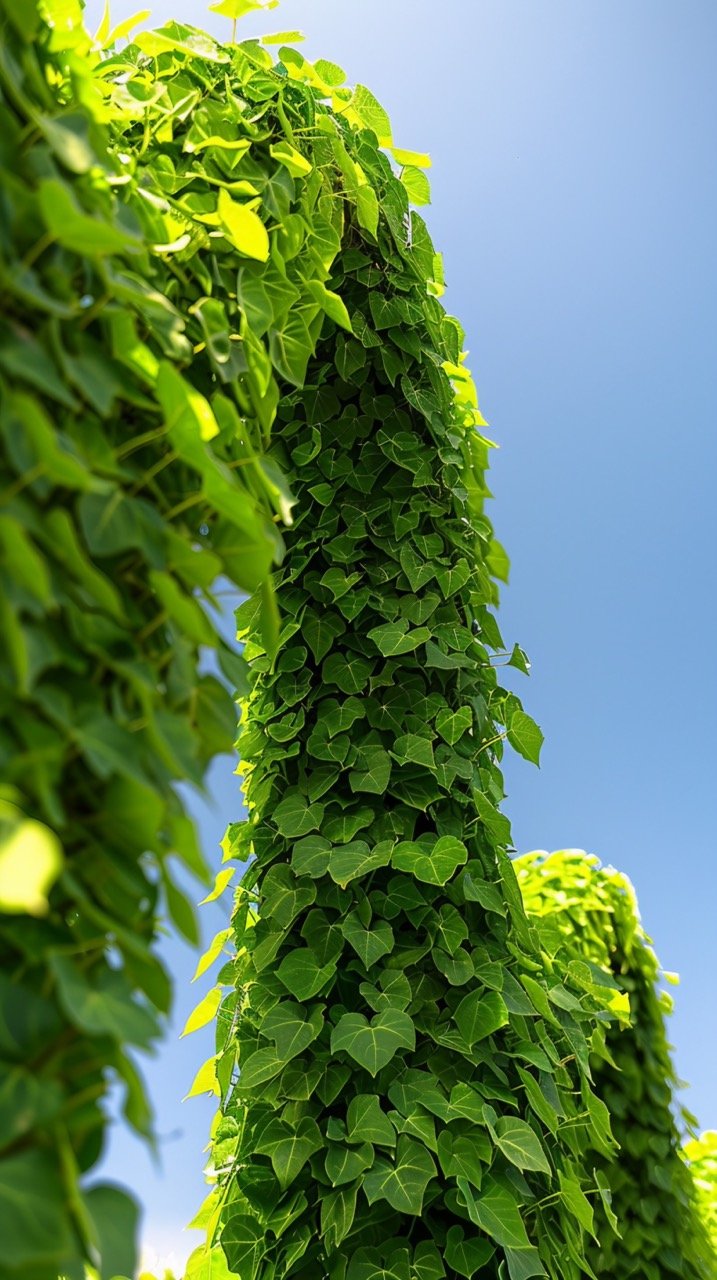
x: 666, y: 1224
x: 402, y: 1071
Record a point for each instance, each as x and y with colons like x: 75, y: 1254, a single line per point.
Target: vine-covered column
x: 592, y: 912
x: 405, y: 1080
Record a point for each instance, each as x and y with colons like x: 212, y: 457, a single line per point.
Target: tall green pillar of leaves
x: 404, y: 1074
x: 590, y: 912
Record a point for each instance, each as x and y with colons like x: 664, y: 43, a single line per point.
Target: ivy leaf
x: 338, y: 1210
x: 204, y: 1012
x: 496, y: 1211
x: 497, y: 560
x: 366, y: 1122
x: 294, y: 817
x: 479, y: 1014
x: 402, y: 1183
x: 453, y: 724
x: 576, y: 1200
x: 394, y: 638
x: 260, y: 1066
x: 525, y: 736
x: 76, y: 230
x: 372, y: 772
x: 434, y: 866
x: 115, y: 1216
x: 369, y: 944
x: 373, y: 1044
x: 344, y: 1164
x: 416, y: 184
x: 289, y: 1148
x: 290, y: 348
x: 243, y: 1242
x: 243, y: 227
x: 459, y: 1156
x: 350, y: 673
x: 302, y: 975
x: 520, y: 1144
x: 519, y: 659
x: 292, y: 1032
x: 342, y: 827
x: 283, y: 897
x: 332, y: 304
x: 467, y: 1254
x: 310, y: 856
x: 524, y: 1263
x: 411, y: 748
x: 102, y: 1003
x: 297, y: 164
x: 357, y: 859
x: 207, y: 1264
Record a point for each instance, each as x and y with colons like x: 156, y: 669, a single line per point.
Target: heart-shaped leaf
x: 373, y: 1044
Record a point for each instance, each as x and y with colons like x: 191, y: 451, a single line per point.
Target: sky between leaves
x: 574, y: 199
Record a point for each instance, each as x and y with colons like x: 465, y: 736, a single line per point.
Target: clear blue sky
x: 575, y: 200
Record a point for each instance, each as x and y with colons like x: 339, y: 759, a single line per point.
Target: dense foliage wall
x: 592, y: 911
x: 135, y: 405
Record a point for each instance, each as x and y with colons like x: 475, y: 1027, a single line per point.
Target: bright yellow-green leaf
x: 419, y: 159
x: 214, y: 950
x: 221, y: 881
x: 416, y: 184
x: 243, y: 227
x: 187, y: 412
x: 30, y: 862
x: 284, y: 37
x: 287, y: 155
x: 205, y: 1011
x: 234, y: 9
x: 103, y: 30
x: 123, y: 29
x: 371, y: 114
x: 225, y: 144
x: 208, y: 1264
x: 205, y: 1081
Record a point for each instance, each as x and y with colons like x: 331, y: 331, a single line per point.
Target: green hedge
x: 591, y: 912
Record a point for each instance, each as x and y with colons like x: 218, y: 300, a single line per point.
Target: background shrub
x: 591, y: 913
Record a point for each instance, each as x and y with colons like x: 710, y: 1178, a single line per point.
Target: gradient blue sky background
x: 575, y: 201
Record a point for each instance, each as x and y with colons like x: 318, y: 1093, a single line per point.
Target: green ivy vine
x: 404, y: 1077
x: 591, y: 912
